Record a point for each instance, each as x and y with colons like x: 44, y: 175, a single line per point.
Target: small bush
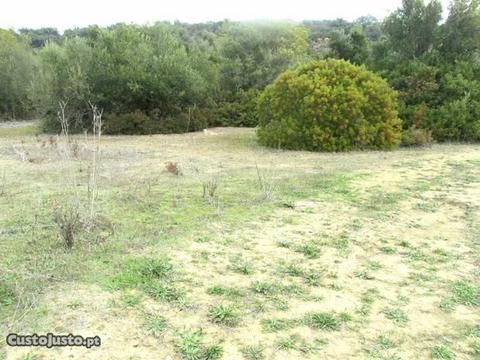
x: 416, y: 137
x: 69, y: 223
x: 129, y: 124
x: 329, y: 105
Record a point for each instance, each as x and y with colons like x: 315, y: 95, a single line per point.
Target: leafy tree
x: 353, y: 47
x: 413, y: 29
x: 64, y: 77
x: 17, y: 66
x: 461, y: 31
x: 40, y: 37
x: 123, y: 69
x: 252, y: 55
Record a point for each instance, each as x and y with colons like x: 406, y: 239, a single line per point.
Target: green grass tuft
x: 224, y: 315
x: 253, y: 352
x: 155, y: 324
x: 275, y: 325
x: 466, y: 293
x: 397, y: 315
x: 442, y: 352
x: 323, y: 321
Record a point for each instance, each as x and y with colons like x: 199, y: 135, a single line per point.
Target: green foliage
x: 456, y: 120
x: 140, y: 272
x: 413, y: 28
x: 253, y: 55
x: 397, y: 315
x: 16, y: 72
x: 275, y: 325
x: 353, y: 47
x: 434, y: 67
x: 40, y: 37
x: 442, y: 352
x: 239, y: 110
x: 124, y: 69
x: 460, y: 33
x: 329, y: 105
x: 466, y: 293
x: 128, y: 124
x: 416, y: 137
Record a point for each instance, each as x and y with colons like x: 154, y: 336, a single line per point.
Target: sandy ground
x: 406, y: 235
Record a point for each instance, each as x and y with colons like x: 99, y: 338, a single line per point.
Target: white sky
x: 64, y: 14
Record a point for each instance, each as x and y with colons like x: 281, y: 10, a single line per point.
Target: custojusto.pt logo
x: 50, y: 340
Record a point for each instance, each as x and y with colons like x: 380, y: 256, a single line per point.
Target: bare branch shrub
x: 22, y: 153
x: 210, y: 194
x: 266, y: 186
x: 97, y: 135
x: 68, y: 220
x: 209, y: 189
x: 74, y: 214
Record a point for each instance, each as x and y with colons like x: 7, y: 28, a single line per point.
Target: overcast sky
x: 64, y: 14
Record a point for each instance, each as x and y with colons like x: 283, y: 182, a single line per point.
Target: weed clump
x: 323, y: 321
x: 398, y: 316
x: 465, y: 293
x: 190, y: 346
x: 7, y: 295
x: 224, y: 315
x: 253, y: 352
x: 69, y: 223
x: 152, y: 275
x: 155, y: 324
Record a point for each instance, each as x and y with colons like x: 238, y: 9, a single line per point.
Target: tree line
x: 177, y: 77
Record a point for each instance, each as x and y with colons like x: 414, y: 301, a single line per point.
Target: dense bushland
x: 184, y: 77
x: 329, y: 105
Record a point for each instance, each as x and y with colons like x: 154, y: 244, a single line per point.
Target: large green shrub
x: 329, y: 105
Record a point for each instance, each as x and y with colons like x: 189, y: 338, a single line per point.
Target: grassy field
x: 246, y: 253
